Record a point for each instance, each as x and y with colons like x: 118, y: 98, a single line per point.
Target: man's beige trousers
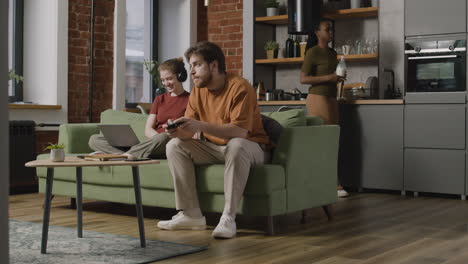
x: 239, y: 155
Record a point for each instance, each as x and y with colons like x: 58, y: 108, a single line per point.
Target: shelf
x: 280, y: 61
x: 273, y: 20
x: 34, y: 106
x: 360, y: 57
x: 366, y: 12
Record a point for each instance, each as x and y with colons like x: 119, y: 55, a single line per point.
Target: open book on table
x: 104, y: 157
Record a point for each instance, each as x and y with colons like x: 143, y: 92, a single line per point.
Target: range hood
x: 303, y: 16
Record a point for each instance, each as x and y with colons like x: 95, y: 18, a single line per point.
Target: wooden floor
x: 367, y: 228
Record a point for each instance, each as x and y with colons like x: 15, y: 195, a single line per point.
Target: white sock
x: 232, y: 216
x: 193, y: 213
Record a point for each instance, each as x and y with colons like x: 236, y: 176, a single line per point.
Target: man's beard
x: 204, y: 83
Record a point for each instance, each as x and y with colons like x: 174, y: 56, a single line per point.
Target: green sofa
x: 301, y: 175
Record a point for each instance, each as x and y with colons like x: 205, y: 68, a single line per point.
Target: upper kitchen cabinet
x: 429, y: 17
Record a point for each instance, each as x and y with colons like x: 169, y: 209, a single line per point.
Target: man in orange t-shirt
x: 222, y: 124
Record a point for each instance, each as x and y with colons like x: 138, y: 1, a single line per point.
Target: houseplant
x: 271, y: 7
x: 13, y: 76
x: 152, y: 67
x: 57, y: 152
x: 271, y: 48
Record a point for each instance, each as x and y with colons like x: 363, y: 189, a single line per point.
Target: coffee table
x: 79, y: 164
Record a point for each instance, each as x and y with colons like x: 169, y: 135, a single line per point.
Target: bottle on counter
x: 260, y: 91
x: 297, y: 47
x: 289, y: 47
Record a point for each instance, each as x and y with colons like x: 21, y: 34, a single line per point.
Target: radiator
x: 22, y: 150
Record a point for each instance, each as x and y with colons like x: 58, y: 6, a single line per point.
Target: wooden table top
x: 77, y: 162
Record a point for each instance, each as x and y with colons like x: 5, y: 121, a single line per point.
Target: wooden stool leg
x: 139, y: 206
x: 73, y: 203
x: 270, y: 225
x: 46, y: 217
x: 328, y: 209
x: 304, y: 216
x: 79, y: 201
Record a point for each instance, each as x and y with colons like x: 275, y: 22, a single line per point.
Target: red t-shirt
x: 167, y: 107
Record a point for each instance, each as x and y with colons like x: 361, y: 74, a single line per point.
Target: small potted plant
x: 271, y: 48
x: 57, y: 152
x: 271, y: 7
x: 153, y: 68
x: 13, y: 76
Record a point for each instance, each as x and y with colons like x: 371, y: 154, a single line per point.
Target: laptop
x: 119, y: 135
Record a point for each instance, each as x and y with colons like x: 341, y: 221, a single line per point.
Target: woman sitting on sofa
x: 170, y: 105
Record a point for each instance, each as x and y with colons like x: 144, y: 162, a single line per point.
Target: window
x: 141, y: 45
x: 15, y: 48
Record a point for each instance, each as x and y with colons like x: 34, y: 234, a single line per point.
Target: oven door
x: 436, y: 72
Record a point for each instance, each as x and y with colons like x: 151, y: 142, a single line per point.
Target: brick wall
x: 43, y: 138
x: 224, y: 28
x: 78, y: 58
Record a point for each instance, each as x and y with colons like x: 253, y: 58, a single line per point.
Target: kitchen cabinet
x: 435, y: 126
x: 435, y: 170
x: 428, y: 17
x: 371, y: 146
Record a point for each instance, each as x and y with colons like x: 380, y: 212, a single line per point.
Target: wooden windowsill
x: 34, y: 106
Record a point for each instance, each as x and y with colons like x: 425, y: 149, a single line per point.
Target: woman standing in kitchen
x: 318, y: 70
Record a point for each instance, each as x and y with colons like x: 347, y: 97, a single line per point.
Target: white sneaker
x: 182, y: 221
x: 226, y: 228
x: 342, y: 193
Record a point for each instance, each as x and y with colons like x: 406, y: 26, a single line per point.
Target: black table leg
x: 139, y: 206
x: 45, y: 219
x: 79, y: 201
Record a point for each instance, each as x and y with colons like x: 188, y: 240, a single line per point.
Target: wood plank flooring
x: 367, y: 228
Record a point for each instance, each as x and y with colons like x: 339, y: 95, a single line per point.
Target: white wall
x: 4, y: 161
x: 177, y: 29
x: 45, y: 60
x: 247, y: 44
x: 118, y: 91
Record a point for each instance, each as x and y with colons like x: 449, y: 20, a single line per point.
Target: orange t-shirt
x: 235, y: 104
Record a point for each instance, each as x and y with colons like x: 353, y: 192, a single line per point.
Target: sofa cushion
x: 289, y: 118
x: 263, y: 179
x: 272, y: 128
x: 136, y: 121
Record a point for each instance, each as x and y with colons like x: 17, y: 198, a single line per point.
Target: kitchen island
x: 371, y: 142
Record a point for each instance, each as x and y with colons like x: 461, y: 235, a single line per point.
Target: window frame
x: 18, y: 40
x: 153, y: 50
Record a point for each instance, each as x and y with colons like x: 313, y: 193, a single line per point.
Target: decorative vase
x: 355, y: 4
x: 272, y: 11
x: 270, y: 54
x: 57, y: 155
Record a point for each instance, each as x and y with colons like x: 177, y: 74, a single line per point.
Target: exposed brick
x: 78, y: 58
x: 231, y: 29
x: 43, y: 138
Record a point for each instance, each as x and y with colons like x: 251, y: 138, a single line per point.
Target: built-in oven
x: 435, y: 64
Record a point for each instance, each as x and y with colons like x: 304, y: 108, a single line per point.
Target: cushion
x: 289, y: 118
x: 272, y: 128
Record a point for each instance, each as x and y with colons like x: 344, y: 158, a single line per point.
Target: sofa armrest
x: 309, y: 156
x: 76, y: 137
x: 314, y: 120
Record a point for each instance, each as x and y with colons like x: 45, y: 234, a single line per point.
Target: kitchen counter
x: 360, y: 102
